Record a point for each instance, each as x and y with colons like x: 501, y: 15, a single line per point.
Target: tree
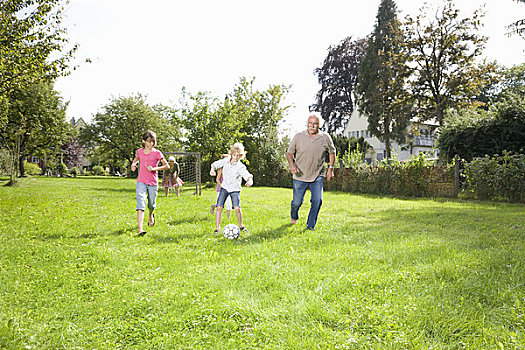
x: 382, y: 87
x: 116, y: 133
x: 246, y: 115
x: 476, y: 133
x: 338, y: 79
x: 262, y: 111
x: 32, y: 43
x: 210, y: 126
x: 444, y: 51
x: 36, y: 122
x: 517, y: 27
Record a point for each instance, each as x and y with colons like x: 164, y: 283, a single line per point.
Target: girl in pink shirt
x: 147, y: 181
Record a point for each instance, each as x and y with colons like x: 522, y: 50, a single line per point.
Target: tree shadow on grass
x: 86, y: 235
x: 174, y: 238
x: 111, y: 189
x: 188, y: 220
x: 269, y: 234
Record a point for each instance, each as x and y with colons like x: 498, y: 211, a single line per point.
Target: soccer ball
x: 231, y: 231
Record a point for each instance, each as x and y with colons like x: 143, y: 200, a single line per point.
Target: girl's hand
x: 150, y: 168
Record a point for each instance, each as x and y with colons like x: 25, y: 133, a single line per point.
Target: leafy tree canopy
x: 444, y: 48
x: 116, y: 132
x: 338, y: 79
x: 32, y: 45
x: 36, y: 121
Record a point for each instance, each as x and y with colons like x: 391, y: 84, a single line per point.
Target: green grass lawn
x: 377, y: 273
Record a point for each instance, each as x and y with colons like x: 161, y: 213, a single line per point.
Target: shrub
x: 32, y: 168
x: 62, y: 169
x: 500, y: 177
x: 98, y: 170
x: 74, y: 171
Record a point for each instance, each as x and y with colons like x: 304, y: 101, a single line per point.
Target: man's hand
x: 329, y: 174
x: 294, y: 169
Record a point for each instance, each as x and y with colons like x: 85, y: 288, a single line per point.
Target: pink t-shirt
x: 153, y: 158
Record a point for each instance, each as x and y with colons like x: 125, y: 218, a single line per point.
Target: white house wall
x: 357, y: 126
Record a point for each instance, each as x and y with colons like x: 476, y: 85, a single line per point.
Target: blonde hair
x: 237, y: 148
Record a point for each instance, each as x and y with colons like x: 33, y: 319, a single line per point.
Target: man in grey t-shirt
x: 306, y: 158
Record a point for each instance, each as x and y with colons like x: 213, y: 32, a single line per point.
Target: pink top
x: 153, y: 158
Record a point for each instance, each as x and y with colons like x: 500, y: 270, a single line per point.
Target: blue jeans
x: 316, y: 191
x: 234, y: 196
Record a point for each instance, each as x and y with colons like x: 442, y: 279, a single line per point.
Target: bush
x: 32, y: 168
x: 98, y: 170
x: 62, y: 169
x: 500, y: 177
x: 476, y: 133
x: 74, y: 171
x: 417, y: 177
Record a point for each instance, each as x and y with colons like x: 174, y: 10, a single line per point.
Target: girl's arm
x: 134, y: 163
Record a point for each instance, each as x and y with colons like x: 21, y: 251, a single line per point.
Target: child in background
x: 233, y: 172
x: 228, y: 203
x: 147, y: 181
x: 170, y: 176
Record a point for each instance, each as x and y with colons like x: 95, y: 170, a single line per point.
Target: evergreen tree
x: 382, y: 88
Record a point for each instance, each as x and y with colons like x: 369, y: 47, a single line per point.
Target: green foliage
x: 338, y: 79
x: 377, y: 272
x: 383, y: 76
x: 496, y: 177
x: 476, y: 133
x: 74, y: 171
x: 115, y: 134
x: 32, y: 169
x: 98, y: 170
x: 246, y: 115
x: 444, y: 49
x: 33, y: 46
x: 62, y: 169
x: 417, y: 177
x: 36, y: 121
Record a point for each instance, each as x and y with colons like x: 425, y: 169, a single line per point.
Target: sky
x: 157, y: 47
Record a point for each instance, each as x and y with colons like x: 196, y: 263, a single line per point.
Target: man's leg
x: 316, y: 190
x: 299, y: 189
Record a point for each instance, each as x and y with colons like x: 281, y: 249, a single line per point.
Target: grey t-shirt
x: 309, y: 154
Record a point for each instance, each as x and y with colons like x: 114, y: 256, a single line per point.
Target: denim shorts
x: 146, y: 194
x: 235, y: 197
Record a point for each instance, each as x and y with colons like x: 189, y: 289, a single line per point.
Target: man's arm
x: 330, y: 172
x: 291, y: 163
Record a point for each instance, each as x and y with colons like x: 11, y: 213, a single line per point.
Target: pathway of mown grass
x: 377, y: 272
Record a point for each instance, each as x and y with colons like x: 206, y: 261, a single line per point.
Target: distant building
x: 421, y: 139
x: 79, y: 125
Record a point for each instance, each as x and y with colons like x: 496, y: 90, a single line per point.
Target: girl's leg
x: 151, y: 219
x: 152, y: 204
x: 142, y: 199
x: 140, y: 220
x: 218, y: 215
x: 177, y: 190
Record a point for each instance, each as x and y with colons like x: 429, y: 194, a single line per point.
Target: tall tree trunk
x: 21, y: 165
